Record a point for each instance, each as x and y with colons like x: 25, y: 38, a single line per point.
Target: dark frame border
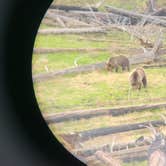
x: 26, y: 138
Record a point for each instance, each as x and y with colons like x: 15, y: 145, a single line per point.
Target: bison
x: 116, y: 62
x: 138, y: 78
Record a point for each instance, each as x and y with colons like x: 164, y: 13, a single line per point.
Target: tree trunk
x: 53, y: 31
x: 137, y: 16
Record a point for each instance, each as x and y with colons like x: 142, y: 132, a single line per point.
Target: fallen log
x: 69, y: 8
x: 74, y: 70
x: 93, y: 133
x: 100, y: 19
x: 148, y: 56
x: 68, y: 21
x: 157, y: 158
x: 86, y: 114
x: 107, y: 159
x: 49, y: 22
x: 156, y: 151
x: 160, y: 12
x: 58, y: 50
x: 137, y: 16
x: 92, y: 161
x: 92, y: 18
x: 127, y: 156
x: 89, y: 152
x: 53, y: 31
x: 133, y: 154
x: 138, y: 35
x: 154, y: 66
x: 161, y: 17
x: 107, y: 148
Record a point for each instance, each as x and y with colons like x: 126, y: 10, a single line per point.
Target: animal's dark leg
x: 139, y: 86
x: 123, y: 67
x: 128, y: 67
x: 144, y: 81
x: 116, y: 69
x: 111, y: 69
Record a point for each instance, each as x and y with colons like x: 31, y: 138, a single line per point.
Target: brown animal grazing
x: 137, y: 78
x: 118, y: 61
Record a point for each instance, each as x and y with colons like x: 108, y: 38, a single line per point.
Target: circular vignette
x: 29, y: 135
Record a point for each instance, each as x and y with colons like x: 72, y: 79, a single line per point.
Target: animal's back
x: 122, y: 60
x: 140, y: 71
x: 137, y: 73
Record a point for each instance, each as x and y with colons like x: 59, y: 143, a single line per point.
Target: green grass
x: 119, y: 44
x: 98, y: 89
x: 73, y: 41
x: 134, y: 163
x: 44, y: 26
x: 60, y: 61
x: 65, y: 41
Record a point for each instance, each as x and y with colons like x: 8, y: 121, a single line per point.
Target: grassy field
x: 97, y: 89
x: 117, y: 43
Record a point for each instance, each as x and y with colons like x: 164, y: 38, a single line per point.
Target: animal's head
x: 134, y: 80
x: 109, y: 66
x: 135, y: 85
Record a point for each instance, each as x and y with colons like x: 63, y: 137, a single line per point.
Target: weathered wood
x: 151, y: 6
x: 160, y: 12
x: 135, y: 33
x: 91, y: 18
x: 89, y: 134
x: 60, y: 31
x: 134, y: 15
x: 157, y: 158
x: 106, y: 148
x: 92, y: 161
x: 89, y: 152
x: 148, y: 56
x: 157, y: 149
x: 154, y: 66
x: 85, y: 114
x: 116, y: 129
x: 133, y: 154
x: 130, y: 155
x: 161, y: 17
x: 69, y: 8
x: 58, y: 50
x: 74, y: 70
x: 107, y: 159
x: 68, y: 21
x: 49, y: 22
